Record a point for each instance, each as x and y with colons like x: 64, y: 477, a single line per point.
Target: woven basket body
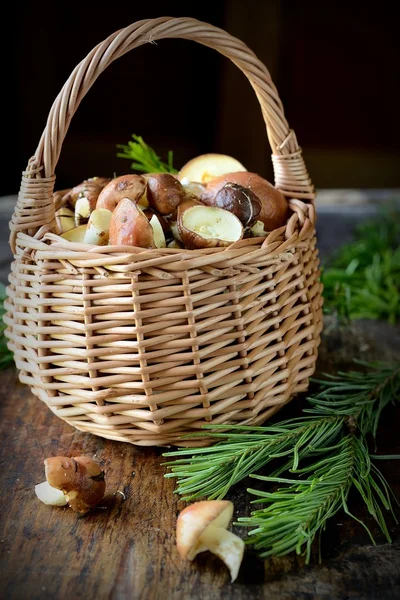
x: 147, y: 346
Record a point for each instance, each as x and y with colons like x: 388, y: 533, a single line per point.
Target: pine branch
x: 144, y: 157
x: 326, y: 449
x: 362, y: 281
x: 296, y: 514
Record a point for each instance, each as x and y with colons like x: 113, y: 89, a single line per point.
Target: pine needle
x: 325, y: 450
x: 362, y: 281
x: 144, y: 158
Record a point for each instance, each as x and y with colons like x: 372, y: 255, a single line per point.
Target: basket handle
x: 34, y: 212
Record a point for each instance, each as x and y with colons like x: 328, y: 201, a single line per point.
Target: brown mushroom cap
x: 129, y: 226
x: 164, y: 192
x: 89, y: 188
x: 126, y: 186
x: 195, y: 518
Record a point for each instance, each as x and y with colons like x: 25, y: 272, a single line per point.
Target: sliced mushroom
x: 239, y: 200
x: 203, y: 526
x: 158, y: 232
x: 208, y: 227
x: 205, y: 167
x: 65, y: 219
x: 77, y: 234
x: 97, y: 230
x: 274, y: 206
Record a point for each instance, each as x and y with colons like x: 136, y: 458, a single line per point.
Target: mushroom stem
x: 50, y: 495
x: 224, y: 544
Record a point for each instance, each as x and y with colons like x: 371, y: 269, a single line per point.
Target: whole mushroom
x: 126, y: 186
x: 203, y: 526
x: 164, y: 192
x: 80, y: 479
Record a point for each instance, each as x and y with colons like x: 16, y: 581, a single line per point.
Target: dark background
x: 336, y: 66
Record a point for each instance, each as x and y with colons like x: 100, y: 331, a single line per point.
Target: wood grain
x: 126, y: 548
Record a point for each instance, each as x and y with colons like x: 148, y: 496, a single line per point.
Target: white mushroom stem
x: 224, y: 544
x: 50, y: 495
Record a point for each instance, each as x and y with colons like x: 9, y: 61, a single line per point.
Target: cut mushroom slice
x: 208, y: 227
x: 239, y: 200
x: 76, y: 235
x: 203, y: 526
x: 274, y: 206
x: 258, y: 229
x: 158, y: 232
x: 84, y: 206
x: 50, y: 495
x: 65, y: 219
x: 98, y: 227
x: 205, y: 167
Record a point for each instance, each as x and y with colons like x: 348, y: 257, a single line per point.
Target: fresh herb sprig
x: 326, y: 450
x: 6, y: 356
x: 362, y: 281
x: 144, y: 158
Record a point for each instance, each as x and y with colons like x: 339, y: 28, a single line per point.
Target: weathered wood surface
x: 126, y: 548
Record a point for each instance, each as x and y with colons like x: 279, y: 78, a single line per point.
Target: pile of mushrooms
x: 212, y: 202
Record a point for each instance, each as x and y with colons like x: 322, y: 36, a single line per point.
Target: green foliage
x: 6, y: 356
x: 144, y: 157
x: 362, y: 281
x: 326, y: 449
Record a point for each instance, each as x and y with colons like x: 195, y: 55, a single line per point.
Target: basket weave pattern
x: 147, y: 346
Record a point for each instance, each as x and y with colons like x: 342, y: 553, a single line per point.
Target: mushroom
x: 203, y: 526
x: 193, y: 188
x: 239, y: 200
x: 158, y: 232
x: 89, y: 189
x: 65, y: 219
x: 205, y: 167
x: 164, y: 192
x: 202, y: 226
x: 81, y: 480
x: 126, y: 186
x: 129, y: 226
x: 77, y: 234
x: 49, y: 495
x: 274, y: 206
x: 97, y: 229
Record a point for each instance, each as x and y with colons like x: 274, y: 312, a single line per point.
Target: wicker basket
x: 147, y: 346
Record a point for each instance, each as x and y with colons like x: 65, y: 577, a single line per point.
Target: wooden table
x: 126, y: 548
